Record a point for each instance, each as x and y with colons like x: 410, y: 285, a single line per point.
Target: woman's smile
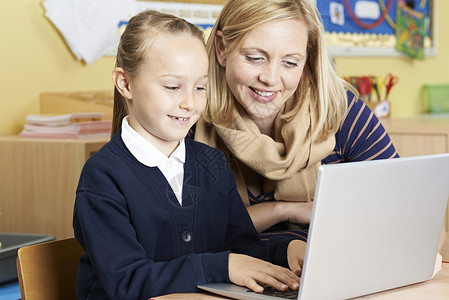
x: 263, y: 96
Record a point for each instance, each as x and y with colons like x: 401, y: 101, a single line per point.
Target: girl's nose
x: 188, y: 101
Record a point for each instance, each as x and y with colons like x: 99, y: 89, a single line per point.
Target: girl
x: 156, y: 212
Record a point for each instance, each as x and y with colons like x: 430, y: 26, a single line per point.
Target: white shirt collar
x: 144, y: 151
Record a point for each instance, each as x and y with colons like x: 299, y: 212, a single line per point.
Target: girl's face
x: 265, y: 71
x: 169, y: 90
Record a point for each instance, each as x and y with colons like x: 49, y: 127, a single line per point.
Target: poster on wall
x: 379, y: 27
x: 92, y: 29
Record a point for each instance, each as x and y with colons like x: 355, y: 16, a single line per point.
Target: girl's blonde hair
x: 134, y: 43
x: 319, y: 80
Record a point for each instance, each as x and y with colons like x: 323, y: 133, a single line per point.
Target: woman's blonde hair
x: 319, y: 80
x: 134, y: 43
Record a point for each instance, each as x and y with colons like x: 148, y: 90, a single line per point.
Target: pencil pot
x: 382, y: 109
x: 437, y: 97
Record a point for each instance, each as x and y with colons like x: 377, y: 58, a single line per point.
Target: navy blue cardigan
x: 140, y: 243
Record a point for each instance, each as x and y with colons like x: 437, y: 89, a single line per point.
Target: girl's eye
x: 200, y: 88
x: 172, y: 87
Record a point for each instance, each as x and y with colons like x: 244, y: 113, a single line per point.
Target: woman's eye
x: 254, y: 58
x: 291, y: 64
x: 200, y: 88
x: 172, y: 87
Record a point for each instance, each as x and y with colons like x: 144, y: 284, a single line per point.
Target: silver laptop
x: 375, y: 226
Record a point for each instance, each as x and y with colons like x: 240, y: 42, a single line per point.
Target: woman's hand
x: 299, y: 212
x: 266, y: 214
x: 248, y: 271
x: 296, y: 251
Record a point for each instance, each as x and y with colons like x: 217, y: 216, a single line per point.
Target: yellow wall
x: 35, y: 59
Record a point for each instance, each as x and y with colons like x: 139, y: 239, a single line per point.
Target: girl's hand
x: 248, y: 271
x: 296, y: 251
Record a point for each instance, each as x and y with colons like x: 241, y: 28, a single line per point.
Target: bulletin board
x: 92, y: 29
x: 351, y: 39
x: 202, y: 13
x: 349, y: 34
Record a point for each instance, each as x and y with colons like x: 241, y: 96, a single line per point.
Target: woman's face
x: 265, y: 71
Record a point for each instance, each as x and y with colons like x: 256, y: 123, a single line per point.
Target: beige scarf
x: 289, y: 162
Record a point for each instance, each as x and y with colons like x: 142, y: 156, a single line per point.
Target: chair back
x: 48, y: 270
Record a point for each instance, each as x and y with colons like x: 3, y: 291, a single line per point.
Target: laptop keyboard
x: 271, y: 291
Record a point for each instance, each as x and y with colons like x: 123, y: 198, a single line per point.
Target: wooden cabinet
x: 420, y: 136
x: 38, y: 182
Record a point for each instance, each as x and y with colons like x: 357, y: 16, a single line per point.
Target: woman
x: 278, y: 110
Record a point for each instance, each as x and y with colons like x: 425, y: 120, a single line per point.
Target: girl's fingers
x: 296, y: 267
x: 270, y: 281
x: 252, y: 272
x: 280, y: 279
x: 252, y: 284
x: 286, y: 276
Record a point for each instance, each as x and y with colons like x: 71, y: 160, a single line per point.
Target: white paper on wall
x: 91, y: 27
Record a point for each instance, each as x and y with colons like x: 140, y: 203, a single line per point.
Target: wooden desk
x: 435, y: 289
x: 420, y: 136
x: 38, y: 182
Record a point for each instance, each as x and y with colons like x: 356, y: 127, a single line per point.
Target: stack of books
x: 74, y: 125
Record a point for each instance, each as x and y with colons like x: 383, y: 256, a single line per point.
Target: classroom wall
x: 36, y: 60
x: 406, y: 96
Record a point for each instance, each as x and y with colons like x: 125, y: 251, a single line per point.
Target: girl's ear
x: 220, y: 48
x: 121, y: 83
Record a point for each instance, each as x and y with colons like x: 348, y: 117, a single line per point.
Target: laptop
x: 375, y: 226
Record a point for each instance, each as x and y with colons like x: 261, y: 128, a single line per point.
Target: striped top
x: 360, y: 137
